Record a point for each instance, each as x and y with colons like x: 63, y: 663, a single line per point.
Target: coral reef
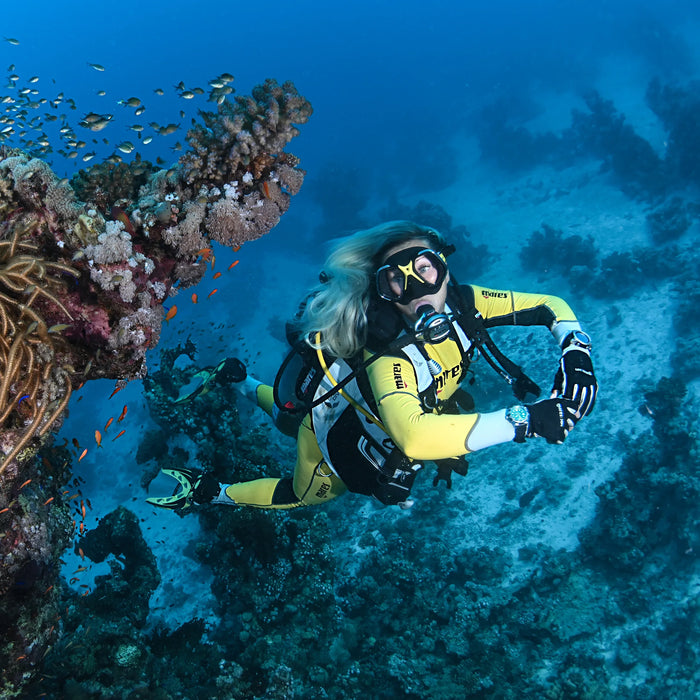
x: 618, y: 274
x: 387, y: 607
x: 549, y: 250
x: 669, y: 221
x: 602, y: 132
x: 83, y: 282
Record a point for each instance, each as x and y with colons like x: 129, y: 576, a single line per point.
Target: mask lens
x: 410, y: 274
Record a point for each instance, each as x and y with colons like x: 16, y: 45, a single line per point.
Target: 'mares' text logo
x: 490, y: 293
x: 398, y: 379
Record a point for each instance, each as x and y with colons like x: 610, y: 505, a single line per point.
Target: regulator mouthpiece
x: 431, y: 327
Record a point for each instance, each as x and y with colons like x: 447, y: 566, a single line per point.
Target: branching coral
x: 27, y: 348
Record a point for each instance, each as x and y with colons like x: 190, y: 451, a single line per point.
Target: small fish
x: 147, y: 140
x: 194, y: 298
x: 187, y: 94
x: 108, y: 423
x: 4, y: 510
x: 159, y: 91
x: 118, y: 214
x: 213, y: 291
x: 58, y: 327
x: 98, y: 438
x: 204, y: 252
x: 171, y: 313
x: 74, y: 579
x: 78, y: 256
x: 118, y: 388
x: 216, y: 275
x: 11, y: 40
x: 48, y: 500
x: 266, y: 187
x: 82, y: 509
x: 82, y: 528
x: 83, y: 454
x: 118, y: 435
x: 80, y: 570
x: 48, y: 590
x: 126, y: 147
x: 131, y: 102
x: 24, y: 483
x: 233, y: 264
x: 81, y: 553
x: 97, y: 67
x: 122, y: 416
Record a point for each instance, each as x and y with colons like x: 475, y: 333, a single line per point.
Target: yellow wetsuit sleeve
x: 419, y: 435
x: 503, y: 307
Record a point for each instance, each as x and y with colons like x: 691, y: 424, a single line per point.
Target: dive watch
x: 519, y: 418
x: 581, y: 339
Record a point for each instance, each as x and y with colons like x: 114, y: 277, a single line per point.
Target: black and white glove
x: 575, y: 379
x: 552, y: 419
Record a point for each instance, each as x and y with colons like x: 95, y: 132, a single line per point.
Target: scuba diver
x: 372, y: 387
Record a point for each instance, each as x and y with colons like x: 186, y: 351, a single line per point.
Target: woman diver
x: 390, y: 337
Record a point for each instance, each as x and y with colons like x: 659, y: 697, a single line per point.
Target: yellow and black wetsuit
x: 419, y: 434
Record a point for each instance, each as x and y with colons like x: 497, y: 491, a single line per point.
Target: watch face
x: 517, y: 414
x: 582, y: 338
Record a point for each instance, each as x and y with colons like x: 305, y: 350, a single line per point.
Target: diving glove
x: 193, y: 487
x: 575, y: 379
x: 552, y: 419
x: 445, y: 467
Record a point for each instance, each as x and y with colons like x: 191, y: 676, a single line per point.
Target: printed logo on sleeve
x: 398, y: 379
x: 492, y: 294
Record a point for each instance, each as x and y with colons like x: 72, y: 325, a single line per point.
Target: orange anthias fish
x: 213, y: 291
x: 216, y: 275
x: 194, y: 298
x: 171, y: 313
x: 98, y: 438
x: 116, y: 389
x: 233, y: 264
x: 122, y: 415
x: 108, y: 423
x: 205, y: 253
x: 118, y: 435
x: 83, y: 454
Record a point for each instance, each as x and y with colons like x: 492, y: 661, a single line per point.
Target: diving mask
x: 410, y: 274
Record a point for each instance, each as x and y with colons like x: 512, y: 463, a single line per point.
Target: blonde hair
x: 337, y: 308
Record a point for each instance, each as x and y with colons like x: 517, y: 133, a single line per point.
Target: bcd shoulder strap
x: 473, y: 324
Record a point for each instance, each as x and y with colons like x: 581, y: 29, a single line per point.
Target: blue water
x: 398, y: 91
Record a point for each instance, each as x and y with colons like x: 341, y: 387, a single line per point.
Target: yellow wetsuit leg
x: 265, y: 398
x: 313, y: 481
